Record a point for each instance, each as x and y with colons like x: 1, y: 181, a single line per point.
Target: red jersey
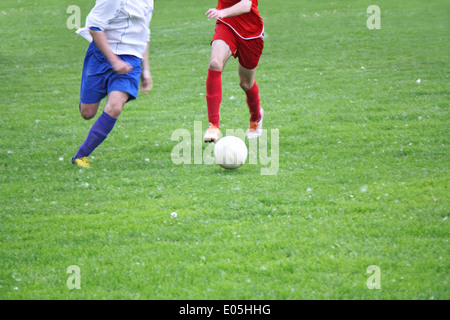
x: 248, y: 25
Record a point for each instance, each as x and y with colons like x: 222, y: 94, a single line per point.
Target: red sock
x: 253, y: 102
x: 214, y: 95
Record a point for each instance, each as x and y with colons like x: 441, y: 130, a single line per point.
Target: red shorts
x: 247, y: 51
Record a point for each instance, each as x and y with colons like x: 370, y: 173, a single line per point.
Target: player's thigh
x: 220, y: 53
x: 115, y: 102
x: 246, y: 77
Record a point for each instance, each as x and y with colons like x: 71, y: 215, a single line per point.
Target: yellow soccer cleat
x: 81, y: 162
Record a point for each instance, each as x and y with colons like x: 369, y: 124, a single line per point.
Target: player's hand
x: 121, y: 67
x: 147, y: 81
x: 215, y: 14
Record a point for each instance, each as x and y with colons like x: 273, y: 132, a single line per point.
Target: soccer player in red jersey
x: 239, y: 33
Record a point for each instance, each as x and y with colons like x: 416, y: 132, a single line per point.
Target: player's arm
x: 102, y: 44
x: 146, y: 76
x: 243, y: 6
x: 97, y: 21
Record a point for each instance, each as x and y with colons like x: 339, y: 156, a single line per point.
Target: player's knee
x: 88, y: 111
x: 246, y: 85
x: 114, y: 109
x: 87, y: 114
x: 215, y: 64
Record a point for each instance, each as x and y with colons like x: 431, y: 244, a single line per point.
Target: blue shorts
x: 99, y: 79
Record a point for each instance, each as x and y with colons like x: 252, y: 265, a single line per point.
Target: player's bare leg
x: 246, y: 77
x: 220, y: 53
x: 115, y: 102
x: 249, y: 85
x: 89, y: 110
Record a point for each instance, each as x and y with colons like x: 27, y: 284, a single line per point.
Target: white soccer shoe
x: 212, y: 134
x: 255, y: 128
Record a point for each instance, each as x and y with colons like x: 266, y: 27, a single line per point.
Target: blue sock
x: 99, y: 131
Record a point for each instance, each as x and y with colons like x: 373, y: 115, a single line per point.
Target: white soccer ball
x: 230, y: 152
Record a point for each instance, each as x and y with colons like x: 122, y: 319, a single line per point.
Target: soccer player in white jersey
x: 116, y: 60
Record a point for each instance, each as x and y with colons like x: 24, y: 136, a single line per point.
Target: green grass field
x: 363, y: 160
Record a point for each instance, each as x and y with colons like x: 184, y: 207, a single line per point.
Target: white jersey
x: 125, y: 23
